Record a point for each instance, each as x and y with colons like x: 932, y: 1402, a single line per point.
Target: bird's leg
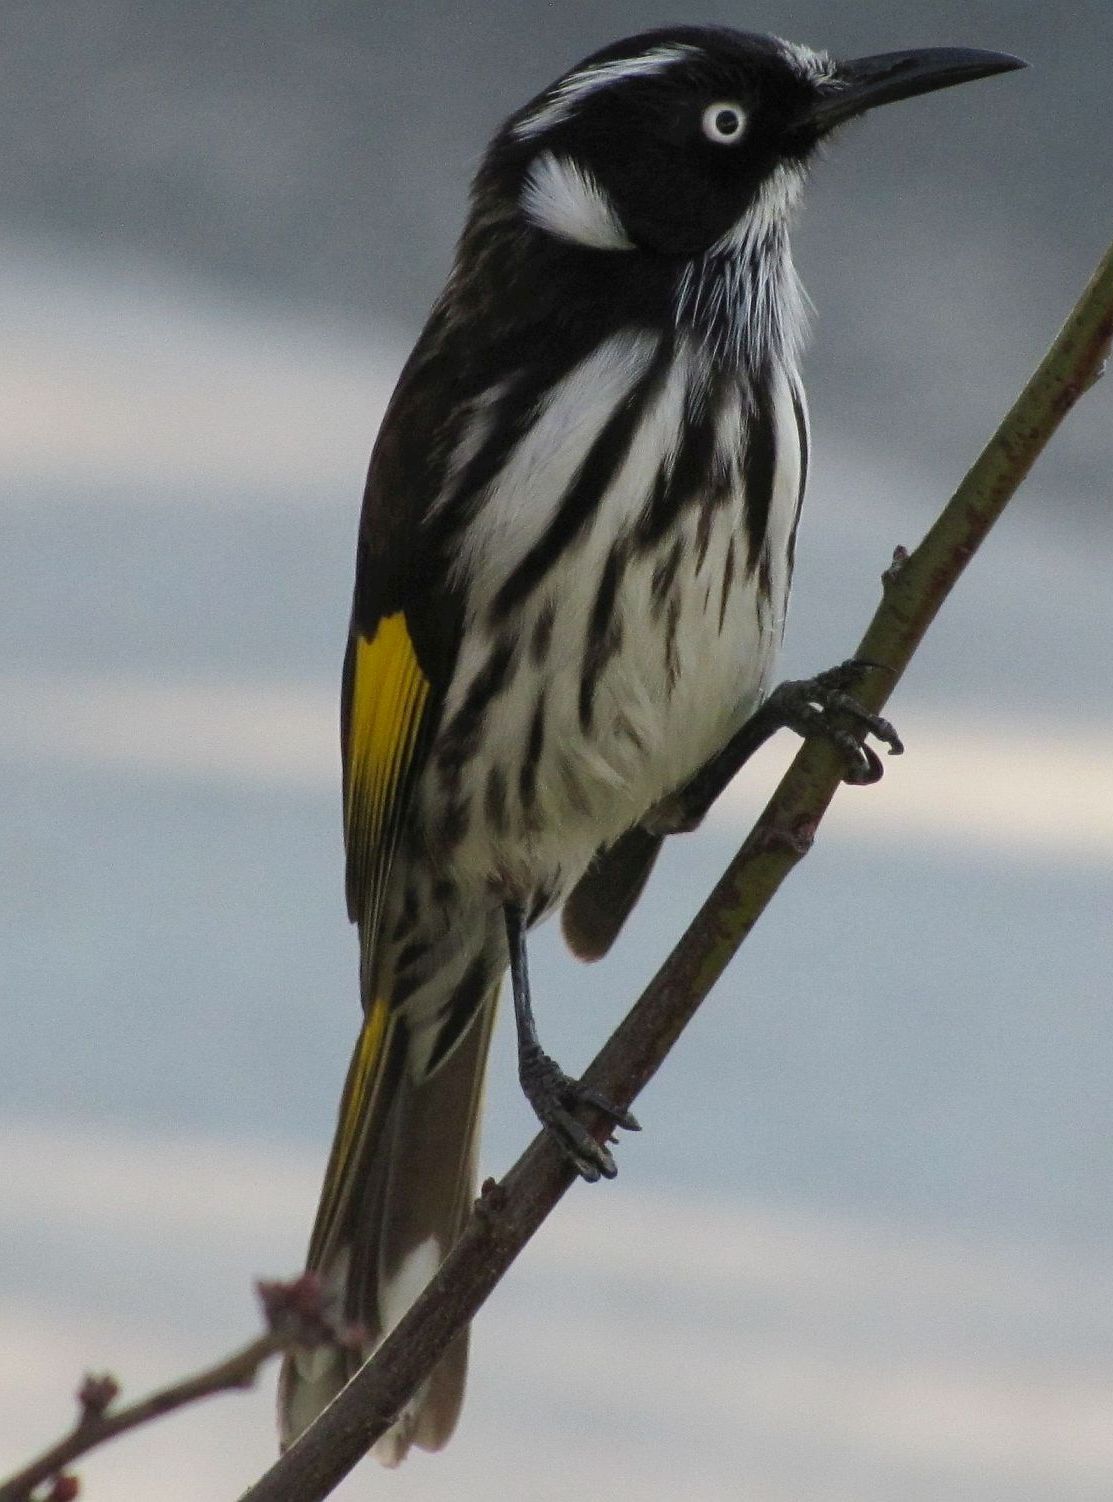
x: 823, y: 705
x: 551, y: 1093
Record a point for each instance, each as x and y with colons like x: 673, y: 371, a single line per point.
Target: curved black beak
x: 864, y: 82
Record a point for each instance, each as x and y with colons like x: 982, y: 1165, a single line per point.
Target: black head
x: 670, y: 140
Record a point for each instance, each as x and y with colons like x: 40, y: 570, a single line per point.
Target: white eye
x: 724, y: 123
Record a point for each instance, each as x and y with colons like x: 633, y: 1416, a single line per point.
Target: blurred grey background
x: 861, y: 1249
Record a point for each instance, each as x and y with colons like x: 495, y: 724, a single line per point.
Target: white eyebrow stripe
x: 561, y: 197
x: 564, y: 97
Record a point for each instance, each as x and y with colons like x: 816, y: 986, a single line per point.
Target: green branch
x: 508, y: 1213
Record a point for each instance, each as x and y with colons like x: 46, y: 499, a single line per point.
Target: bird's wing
x: 384, y: 705
x: 402, y: 642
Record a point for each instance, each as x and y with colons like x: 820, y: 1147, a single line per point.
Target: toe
x: 625, y: 1119
x: 590, y: 1159
x: 864, y: 768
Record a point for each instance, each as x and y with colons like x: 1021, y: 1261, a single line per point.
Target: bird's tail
x: 398, y: 1188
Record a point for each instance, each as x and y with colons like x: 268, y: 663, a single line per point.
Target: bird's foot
x: 822, y: 705
x: 554, y: 1096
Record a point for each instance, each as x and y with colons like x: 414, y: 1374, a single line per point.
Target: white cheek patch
x: 561, y: 198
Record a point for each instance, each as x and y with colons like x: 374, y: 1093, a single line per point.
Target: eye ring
x: 724, y: 122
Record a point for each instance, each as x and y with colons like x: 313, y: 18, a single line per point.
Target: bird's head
x: 673, y: 141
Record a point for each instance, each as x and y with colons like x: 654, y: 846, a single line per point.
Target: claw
x: 585, y: 1095
x: 807, y: 706
x: 554, y: 1097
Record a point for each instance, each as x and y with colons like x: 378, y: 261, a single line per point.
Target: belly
x: 600, y: 713
x: 629, y: 664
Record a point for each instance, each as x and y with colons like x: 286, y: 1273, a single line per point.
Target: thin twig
x: 294, y: 1315
x: 508, y: 1213
x: 236, y: 1371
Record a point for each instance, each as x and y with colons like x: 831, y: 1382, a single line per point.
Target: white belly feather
x: 685, y: 674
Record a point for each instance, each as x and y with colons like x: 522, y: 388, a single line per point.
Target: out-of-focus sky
x: 861, y: 1249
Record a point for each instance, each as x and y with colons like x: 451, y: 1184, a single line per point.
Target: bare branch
x: 508, y: 1213
x: 294, y: 1316
x: 92, y: 1428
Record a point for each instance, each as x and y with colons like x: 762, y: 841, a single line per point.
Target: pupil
x: 726, y: 122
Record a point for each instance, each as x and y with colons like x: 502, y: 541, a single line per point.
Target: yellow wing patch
x: 387, y: 701
x: 356, y: 1108
x: 364, y: 1067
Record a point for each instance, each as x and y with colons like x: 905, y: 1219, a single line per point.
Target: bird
x: 573, y: 566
